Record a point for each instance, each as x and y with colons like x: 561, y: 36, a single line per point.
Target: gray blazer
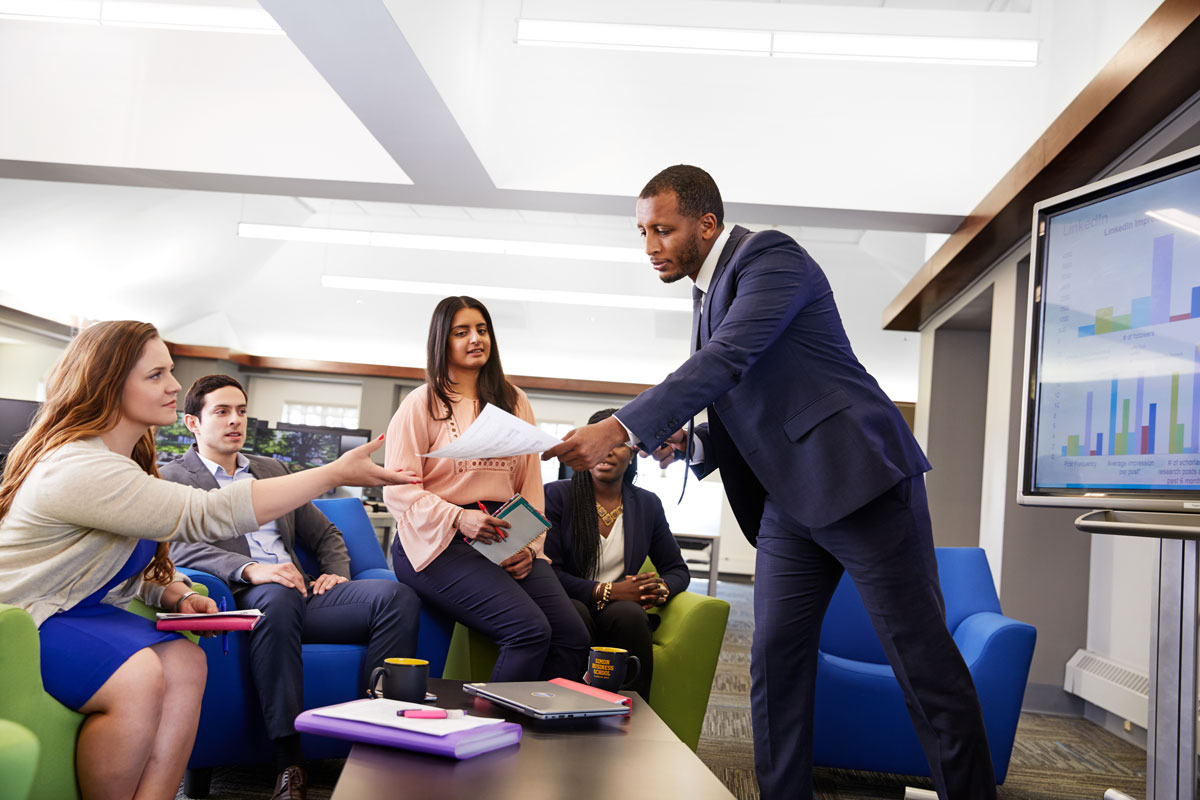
x: 224, y: 558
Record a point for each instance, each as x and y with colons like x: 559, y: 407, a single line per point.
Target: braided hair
x: 585, y: 544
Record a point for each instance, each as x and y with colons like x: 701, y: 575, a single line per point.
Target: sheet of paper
x: 496, y: 434
x: 383, y: 712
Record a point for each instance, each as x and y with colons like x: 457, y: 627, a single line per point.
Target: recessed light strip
x: 140, y: 14
x: 785, y: 44
x: 455, y: 244
x: 506, y: 293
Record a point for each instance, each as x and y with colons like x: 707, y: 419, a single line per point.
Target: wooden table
x: 606, y: 758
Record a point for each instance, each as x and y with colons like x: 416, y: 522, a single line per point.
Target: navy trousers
x: 382, y: 613
x: 532, y: 620
x: 887, y: 548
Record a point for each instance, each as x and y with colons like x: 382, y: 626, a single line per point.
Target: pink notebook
x: 601, y: 694
x: 207, y: 622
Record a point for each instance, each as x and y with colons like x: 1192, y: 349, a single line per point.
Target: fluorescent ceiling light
x: 605, y: 36
x: 839, y: 46
x: 454, y: 244
x: 507, y: 293
x: 194, y: 16
x: 917, y: 49
x: 1180, y: 219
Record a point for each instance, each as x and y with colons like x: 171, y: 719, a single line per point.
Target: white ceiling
x: 129, y: 155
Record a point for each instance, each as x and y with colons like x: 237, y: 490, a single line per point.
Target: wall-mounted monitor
x: 1111, y: 414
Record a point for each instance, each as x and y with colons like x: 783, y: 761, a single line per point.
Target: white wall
x: 25, y: 362
x: 268, y: 394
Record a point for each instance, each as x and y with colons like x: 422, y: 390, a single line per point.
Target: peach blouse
x: 426, y: 513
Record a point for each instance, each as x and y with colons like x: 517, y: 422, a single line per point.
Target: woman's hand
x: 192, y: 604
x: 198, y: 604
x: 481, y: 526
x: 519, y: 563
x: 646, y: 589
x: 355, y: 468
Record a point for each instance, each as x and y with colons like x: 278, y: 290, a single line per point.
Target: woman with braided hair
x: 603, y: 529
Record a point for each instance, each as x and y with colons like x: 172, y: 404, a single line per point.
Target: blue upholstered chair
x: 231, y: 725
x: 861, y: 721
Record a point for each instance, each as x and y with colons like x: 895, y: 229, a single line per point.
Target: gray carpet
x: 1054, y: 758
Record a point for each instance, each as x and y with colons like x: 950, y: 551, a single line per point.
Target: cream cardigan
x: 81, y: 511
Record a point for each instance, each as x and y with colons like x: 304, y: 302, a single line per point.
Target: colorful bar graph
x: 1153, y: 309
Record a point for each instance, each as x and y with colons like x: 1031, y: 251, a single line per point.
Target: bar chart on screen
x: 1119, y: 399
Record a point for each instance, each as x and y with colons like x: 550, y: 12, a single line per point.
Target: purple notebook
x: 463, y: 744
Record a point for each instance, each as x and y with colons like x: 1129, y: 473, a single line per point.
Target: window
x: 312, y: 414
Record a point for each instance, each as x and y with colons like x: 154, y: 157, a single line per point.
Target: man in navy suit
x: 822, y: 474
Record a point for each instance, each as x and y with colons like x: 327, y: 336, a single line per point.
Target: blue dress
x: 84, y: 645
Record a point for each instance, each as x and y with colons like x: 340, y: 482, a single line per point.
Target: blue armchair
x: 861, y: 721
x: 231, y: 726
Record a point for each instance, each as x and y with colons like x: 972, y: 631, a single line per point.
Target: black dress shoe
x: 290, y: 785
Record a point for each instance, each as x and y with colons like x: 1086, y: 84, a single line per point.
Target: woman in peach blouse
x: 519, y: 604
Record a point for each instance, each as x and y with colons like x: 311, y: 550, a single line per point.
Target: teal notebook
x: 527, y: 524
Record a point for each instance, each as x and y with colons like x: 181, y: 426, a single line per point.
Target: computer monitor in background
x: 298, y: 450
x: 15, y: 418
x: 172, y: 441
x: 295, y: 426
x: 349, y: 441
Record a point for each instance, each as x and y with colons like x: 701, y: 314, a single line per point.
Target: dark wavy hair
x: 696, y: 192
x: 585, y: 530
x: 493, y: 387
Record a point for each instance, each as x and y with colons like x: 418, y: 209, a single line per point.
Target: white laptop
x: 545, y: 700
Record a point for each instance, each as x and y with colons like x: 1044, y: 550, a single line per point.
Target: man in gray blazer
x: 262, y: 571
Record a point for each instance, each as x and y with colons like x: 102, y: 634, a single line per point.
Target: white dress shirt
x: 703, y: 279
x: 265, y: 544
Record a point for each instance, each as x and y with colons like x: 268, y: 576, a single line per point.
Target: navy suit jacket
x: 224, y: 558
x: 792, y: 413
x: 646, y: 534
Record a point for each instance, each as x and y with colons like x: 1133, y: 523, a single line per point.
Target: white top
x: 611, y: 566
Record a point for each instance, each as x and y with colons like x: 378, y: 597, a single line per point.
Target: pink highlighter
x: 431, y: 713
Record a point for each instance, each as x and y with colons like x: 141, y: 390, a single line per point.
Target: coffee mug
x: 403, y: 679
x: 611, y: 668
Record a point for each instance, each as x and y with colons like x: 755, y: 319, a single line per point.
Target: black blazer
x: 224, y: 558
x: 646, y: 534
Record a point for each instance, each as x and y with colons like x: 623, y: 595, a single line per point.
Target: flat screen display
x: 1114, y: 360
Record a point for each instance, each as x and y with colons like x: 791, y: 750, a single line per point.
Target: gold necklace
x: 609, y: 518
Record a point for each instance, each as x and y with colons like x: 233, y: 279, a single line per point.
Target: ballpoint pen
x: 483, y: 508
x: 224, y: 635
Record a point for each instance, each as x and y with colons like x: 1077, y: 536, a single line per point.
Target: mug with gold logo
x: 611, y: 668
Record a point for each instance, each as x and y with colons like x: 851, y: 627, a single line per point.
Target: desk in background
x: 385, y: 528
x: 713, y: 546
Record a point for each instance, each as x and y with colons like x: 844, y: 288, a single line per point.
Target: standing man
x: 821, y: 471
x: 262, y: 571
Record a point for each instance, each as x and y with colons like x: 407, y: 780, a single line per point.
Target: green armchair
x: 687, y: 646
x: 18, y: 759
x: 24, y: 701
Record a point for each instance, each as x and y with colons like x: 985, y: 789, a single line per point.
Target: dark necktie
x: 697, y: 309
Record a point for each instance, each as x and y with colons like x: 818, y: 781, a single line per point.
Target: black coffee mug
x: 611, y: 668
x: 403, y: 679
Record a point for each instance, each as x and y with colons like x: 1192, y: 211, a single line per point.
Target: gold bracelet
x: 604, y: 597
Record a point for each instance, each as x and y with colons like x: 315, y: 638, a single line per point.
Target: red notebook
x: 219, y: 621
